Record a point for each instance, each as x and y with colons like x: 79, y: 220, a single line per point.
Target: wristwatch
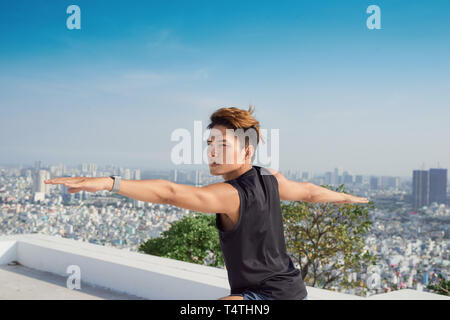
x: 116, y: 185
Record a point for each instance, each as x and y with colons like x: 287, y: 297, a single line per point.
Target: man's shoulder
x: 269, y: 172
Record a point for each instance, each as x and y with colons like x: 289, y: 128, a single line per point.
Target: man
x: 246, y: 205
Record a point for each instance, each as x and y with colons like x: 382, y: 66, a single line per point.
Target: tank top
x: 254, y: 250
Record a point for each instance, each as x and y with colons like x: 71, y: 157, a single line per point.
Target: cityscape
x: 409, y: 234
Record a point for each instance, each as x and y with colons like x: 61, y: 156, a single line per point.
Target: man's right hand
x: 77, y: 184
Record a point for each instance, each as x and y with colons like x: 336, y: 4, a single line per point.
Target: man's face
x: 224, y: 151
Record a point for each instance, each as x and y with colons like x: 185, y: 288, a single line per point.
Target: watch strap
x: 116, y: 185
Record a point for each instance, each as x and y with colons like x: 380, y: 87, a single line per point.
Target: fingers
x: 358, y: 200
x: 62, y: 180
x: 363, y: 200
x: 73, y: 185
x: 354, y: 200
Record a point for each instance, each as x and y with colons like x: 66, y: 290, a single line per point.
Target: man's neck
x: 238, y: 172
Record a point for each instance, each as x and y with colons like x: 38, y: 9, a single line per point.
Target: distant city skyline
x: 371, y: 101
x: 336, y: 171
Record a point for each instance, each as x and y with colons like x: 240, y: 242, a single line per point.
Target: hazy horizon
x: 205, y: 168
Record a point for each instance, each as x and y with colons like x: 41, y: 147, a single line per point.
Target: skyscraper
x: 347, y: 177
x: 38, y: 165
x: 175, y: 175
x: 329, y: 177
x: 359, y: 179
x: 127, y: 174
x: 38, y: 182
x: 374, y: 183
x: 336, y: 177
x: 438, y: 186
x: 305, y: 176
x: 40, y: 189
x: 197, y: 178
x: 420, y: 188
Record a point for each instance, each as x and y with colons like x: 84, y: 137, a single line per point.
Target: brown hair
x: 234, y: 118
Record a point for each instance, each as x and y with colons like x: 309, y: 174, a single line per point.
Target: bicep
x: 214, y: 198
x: 291, y: 190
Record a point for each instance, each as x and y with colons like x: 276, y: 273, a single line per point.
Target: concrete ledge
x: 23, y: 283
x: 8, y: 250
x: 408, y: 294
x: 132, y: 273
x: 141, y: 275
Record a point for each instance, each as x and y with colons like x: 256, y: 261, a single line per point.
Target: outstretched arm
x: 309, y: 192
x: 215, y: 198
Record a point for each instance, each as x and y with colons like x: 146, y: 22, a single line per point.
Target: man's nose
x: 211, y: 152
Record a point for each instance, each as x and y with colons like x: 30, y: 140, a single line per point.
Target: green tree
x: 194, y: 238
x: 326, y: 240
x: 439, y: 285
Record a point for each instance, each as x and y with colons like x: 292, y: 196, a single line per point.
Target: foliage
x: 439, y: 285
x: 326, y: 240
x: 194, y: 238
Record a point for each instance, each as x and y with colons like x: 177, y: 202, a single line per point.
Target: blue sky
x: 370, y: 101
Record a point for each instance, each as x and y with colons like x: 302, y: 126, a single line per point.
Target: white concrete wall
x: 141, y: 274
x: 134, y: 273
x: 8, y: 250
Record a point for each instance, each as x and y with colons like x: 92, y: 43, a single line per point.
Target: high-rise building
x: 336, y: 178
x: 182, y: 176
x: 359, y: 179
x: 40, y: 189
x: 305, y: 176
x: 390, y: 182
x: 197, y: 177
x: 127, y: 174
x: 137, y: 174
x: 347, y: 177
x: 175, y: 175
x: 374, y: 183
x: 328, y: 177
x: 397, y: 182
x: 89, y: 169
x: 420, y: 187
x: 38, y: 182
x: 38, y: 165
x: 438, y: 186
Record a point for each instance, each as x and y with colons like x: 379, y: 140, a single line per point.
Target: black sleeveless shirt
x: 255, y: 250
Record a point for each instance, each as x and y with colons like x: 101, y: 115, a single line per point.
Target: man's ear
x: 249, y: 152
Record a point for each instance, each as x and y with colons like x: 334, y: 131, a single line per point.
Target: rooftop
x: 36, y: 266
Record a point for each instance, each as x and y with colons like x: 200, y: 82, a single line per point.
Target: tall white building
x: 337, y: 173
x: 127, y: 174
x: 198, y: 178
x: 89, y: 169
x: 38, y: 182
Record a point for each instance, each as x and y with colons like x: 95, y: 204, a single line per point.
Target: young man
x: 246, y: 205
